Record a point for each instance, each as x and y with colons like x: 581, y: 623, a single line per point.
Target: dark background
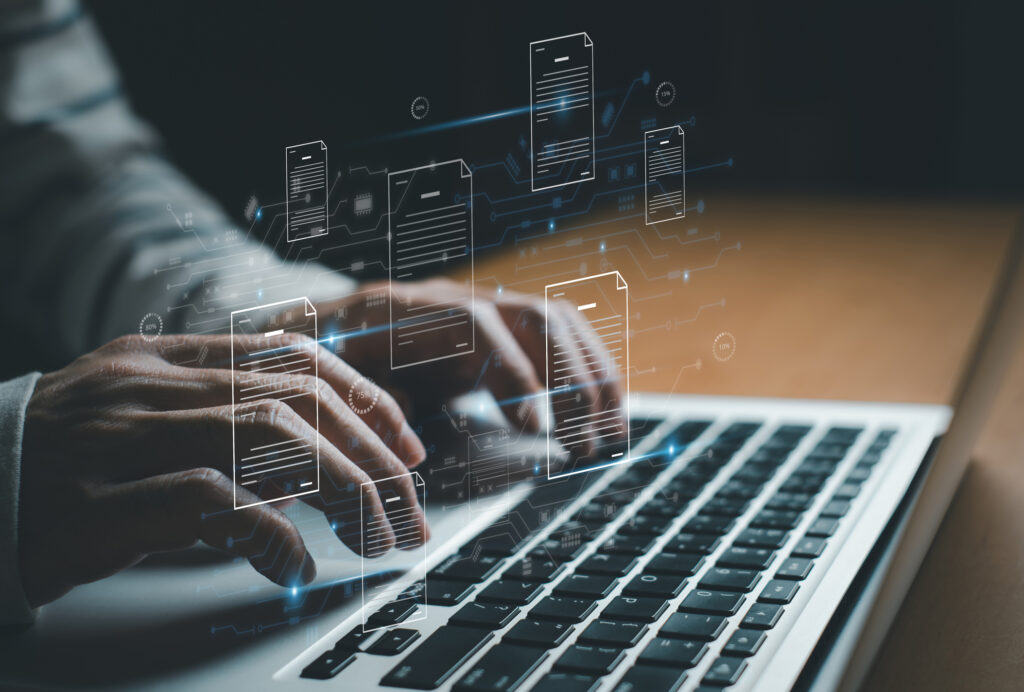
x: 918, y: 100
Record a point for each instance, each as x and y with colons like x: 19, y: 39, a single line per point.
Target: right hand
x: 126, y: 454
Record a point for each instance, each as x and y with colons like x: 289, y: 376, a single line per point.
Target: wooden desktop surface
x: 836, y: 299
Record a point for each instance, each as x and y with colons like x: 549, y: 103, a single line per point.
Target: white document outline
x: 387, y: 597
x: 620, y: 285
x: 465, y: 173
x: 647, y: 134
x: 587, y: 42
x: 310, y: 311
x: 327, y: 196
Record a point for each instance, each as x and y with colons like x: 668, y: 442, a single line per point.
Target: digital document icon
x: 402, y: 522
x: 664, y: 175
x: 561, y: 111
x: 261, y: 366
x: 306, y: 196
x: 592, y: 439
x: 430, y: 225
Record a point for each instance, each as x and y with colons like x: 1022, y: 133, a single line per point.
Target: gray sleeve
x: 91, y: 243
x: 14, y: 396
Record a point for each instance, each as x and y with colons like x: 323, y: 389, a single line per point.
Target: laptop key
x: 764, y: 538
x: 509, y: 592
x: 836, y: 508
x: 744, y: 643
x: 628, y: 545
x: 592, y: 660
x: 746, y: 557
x: 775, y: 519
x: 809, y: 546
x: 566, y: 682
x: 823, y: 527
x: 704, y: 628
x: 585, y: 586
x: 682, y: 564
x: 608, y: 564
x: 613, y: 633
x: 796, y: 568
x: 563, y: 608
x: 531, y: 568
x: 779, y: 591
x: 501, y: 669
x: 655, y: 585
x: 676, y: 653
x: 725, y: 671
x: 354, y: 640
x: 762, y: 616
x: 464, y: 568
x: 546, y: 634
x: 393, y: 642
x: 491, y: 616
x: 634, y: 608
x: 651, y: 679
x: 711, y: 602
x: 328, y: 665
x: 437, y: 658
x: 730, y: 579
x: 690, y: 542
x: 706, y: 523
x: 447, y: 593
x: 847, y: 491
x: 644, y: 524
x: 393, y: 613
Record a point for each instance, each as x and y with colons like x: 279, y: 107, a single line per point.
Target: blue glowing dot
x: 686, y: 275
x: 536, y: 469
x: 671, y: 449
x: 551, y: 225
x: 730, y: 162
x: 602, y: 246
x: 646, y: 77
x: 334, y: 526
x: 499, y: 290
x: 259, y: 213
x: 295, y: 591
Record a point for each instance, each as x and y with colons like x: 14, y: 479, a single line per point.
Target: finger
x: 173, y: 511
x: 375, y: 406
x: 514, y: 384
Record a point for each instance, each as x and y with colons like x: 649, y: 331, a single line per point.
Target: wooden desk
x: 835, y: 299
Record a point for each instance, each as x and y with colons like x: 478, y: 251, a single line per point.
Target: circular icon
x: 420, y: 107
x: 151, y: 326
x: 363, y: 395
x: 724, y: 347
x: 665, y: 94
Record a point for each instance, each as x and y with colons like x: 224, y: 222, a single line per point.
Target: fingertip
x: 308, y: 570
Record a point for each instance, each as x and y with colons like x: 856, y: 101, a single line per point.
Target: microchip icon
x: 363, y: 204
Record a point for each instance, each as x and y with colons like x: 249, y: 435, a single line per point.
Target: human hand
x: 126, y: 454
x: 510, y: 354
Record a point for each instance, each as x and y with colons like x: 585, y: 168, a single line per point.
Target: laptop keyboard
x: 631, y: 569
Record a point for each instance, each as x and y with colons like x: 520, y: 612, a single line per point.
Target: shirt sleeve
x: 100, y: 230
x: 14, y: 396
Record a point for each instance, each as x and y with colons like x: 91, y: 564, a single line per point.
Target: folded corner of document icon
x: 591, y: 439
x: 561, y: 111
x: 430, y: 227
x: 264, y: 363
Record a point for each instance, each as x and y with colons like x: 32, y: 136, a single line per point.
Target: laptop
x: 746, y: 544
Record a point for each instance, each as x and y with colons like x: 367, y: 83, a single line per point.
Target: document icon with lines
x: 266, y: 365
x: 561, y: 111
x: 402, y: 523
x: 664, y: 175
x: 593, y: 438
x: 430, y: 226
x: 306, y: 198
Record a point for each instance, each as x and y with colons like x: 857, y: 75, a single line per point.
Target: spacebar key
x: 440, y: 655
